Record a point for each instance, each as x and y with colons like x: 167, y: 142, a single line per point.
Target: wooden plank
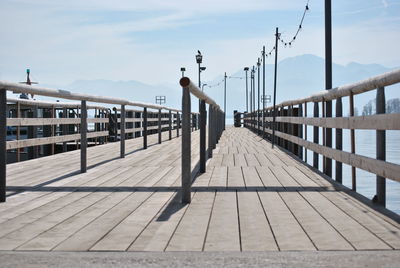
x: 288, y: 232
x: 251, y: 177
x: 240, y: 160
x: 235, y: 178
x: 223, y: 231
x: 160, y: 230
x: 322, y: 234
x: 255, y: 231
x: 219, y: 177
x: 192, y: 229
x: 382, y: 229
x: 124, y: 234
x: 251, y: 160
x: 359, y: 237
x: 228, y: 160
x: 268, y: 178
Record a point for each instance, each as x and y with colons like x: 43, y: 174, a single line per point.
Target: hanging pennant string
x: 290, y: 43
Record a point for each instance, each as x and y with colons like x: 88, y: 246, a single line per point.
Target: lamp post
x: 246, y: 69
x: 203, y: 119
x: 258, y: 97
x: 183, y: 69
x: 202, y: 87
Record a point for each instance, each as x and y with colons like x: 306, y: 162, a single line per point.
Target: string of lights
x: 306, y: 9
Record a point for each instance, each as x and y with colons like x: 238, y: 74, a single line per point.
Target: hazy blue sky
x: 149, y: 40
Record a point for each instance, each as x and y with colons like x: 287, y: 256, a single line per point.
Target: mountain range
x: 297, y: 77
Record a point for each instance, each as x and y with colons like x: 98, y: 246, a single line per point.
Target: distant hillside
x: 298, y: 77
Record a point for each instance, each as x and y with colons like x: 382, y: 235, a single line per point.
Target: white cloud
x: 385, y: 3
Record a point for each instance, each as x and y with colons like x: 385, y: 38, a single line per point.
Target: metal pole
x: 276, y: 62
x: 258, y: 101
x: 83, y: 136
x: 122, y: 131
x: 3, y: 143
x: 380, y: 147
x: 178, y: 123
x: 254, y: 98
x: 251, y: 99
x: 203, y: 120
x: 247, y: 94
x: 328, y: 81
x: 263, y: 106
x: 186, y: 147
x: 224, y: 100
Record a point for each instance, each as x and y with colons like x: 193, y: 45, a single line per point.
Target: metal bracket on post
x: 203, y: 121
x: 3, y: 143
x: 83, y: 136
x: 145, y: 128
x: 159, y: 126
x: 186, y: 147
x: 122, y: 124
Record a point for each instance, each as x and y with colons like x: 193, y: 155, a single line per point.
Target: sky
x: 149, y: 41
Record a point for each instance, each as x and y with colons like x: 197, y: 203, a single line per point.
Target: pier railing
x: 216, y: 125
x: 146, y: 122
x: 286, y: 125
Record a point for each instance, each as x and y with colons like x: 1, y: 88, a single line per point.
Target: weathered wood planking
x: 251, y: 198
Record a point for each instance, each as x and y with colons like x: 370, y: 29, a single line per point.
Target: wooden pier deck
x: 251, y: 198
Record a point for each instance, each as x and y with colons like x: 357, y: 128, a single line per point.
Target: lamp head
x: 199, y: 57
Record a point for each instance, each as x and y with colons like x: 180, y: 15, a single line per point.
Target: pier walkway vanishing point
x: 251, y: 198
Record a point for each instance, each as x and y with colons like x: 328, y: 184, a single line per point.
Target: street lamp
x: 202, y: 87
x: 199, y: 60
x: 183, y: 69
x: 246, y: 69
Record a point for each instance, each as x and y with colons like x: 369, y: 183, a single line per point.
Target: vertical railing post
x: 122, y: 126
x: 83, y: 129
x: 316, y: 135
x: 144, y: 128
x: 203, y: 121
x: 65, y: 129
x: 186, y: 147
x: 3, y: 143
x: 178, y: 123
x: 353, y: 145
x: 159, y: 126
x: 380, y: 147
x: 290, y: 129
x: 170, y: 125
x: 210, y: 130
x: 339, y: 141
x: 305, y: 132
x: 300, y: 132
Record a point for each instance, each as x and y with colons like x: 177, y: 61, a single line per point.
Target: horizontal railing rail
x: 286, y: 125
x: 216, y: 125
